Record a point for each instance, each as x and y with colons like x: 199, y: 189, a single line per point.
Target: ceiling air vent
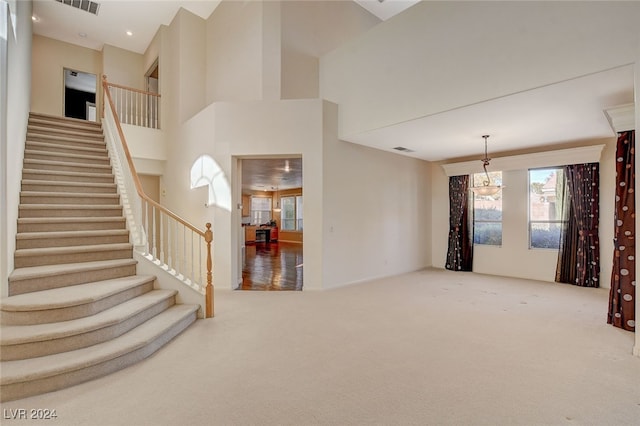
x: 86, y: 5
x: 402, y: 149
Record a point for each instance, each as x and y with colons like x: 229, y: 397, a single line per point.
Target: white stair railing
x: 160, y: 235
x: 136, y: 107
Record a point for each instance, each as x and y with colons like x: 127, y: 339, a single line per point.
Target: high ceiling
x: 142, y: 18
x: 559, y: 113
x: 115, y: 17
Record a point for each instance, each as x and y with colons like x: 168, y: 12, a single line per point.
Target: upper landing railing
x: 160, y: 235
x: 134, y: 106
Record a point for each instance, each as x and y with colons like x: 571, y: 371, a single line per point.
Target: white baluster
x: 169, y: 257
x: 184, y: 249
x: 200, y: 280
x: 153, y: 231
x: 162, y: 258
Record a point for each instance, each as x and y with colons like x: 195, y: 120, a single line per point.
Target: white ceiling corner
x: 386, y: 9
x: 115, y: 17
x: 622, y: 117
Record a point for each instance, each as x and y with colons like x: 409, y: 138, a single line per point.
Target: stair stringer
x: 166, y: 280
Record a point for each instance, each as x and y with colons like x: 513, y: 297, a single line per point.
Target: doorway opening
x: 152, y: 77
x: 80, y: 95
x: 272, y: 223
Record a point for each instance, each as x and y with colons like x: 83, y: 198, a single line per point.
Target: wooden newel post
x: 208, y: 237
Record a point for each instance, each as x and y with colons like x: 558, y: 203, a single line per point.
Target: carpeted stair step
x: 28, y: 240
x: 69, y: 303
x: 68, y: 210
x: 89, y: 141
x: 76, y: 309
x: 86, y: 160
x: 38, y: 278
x: 64, y: 166
x: 87, y: 132
x: 56, y: 122
x: 63, y: 148
x: 22, y: 378
x: 30, y: 341
x: 55, y: 224
x: 25, y: 258
x: 68, y: 198
x: 74, y: 177
x: 29, y: 185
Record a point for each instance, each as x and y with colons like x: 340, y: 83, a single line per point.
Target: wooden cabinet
x: 253, y: 234
x: 249, y: 234
x: 246, y: 205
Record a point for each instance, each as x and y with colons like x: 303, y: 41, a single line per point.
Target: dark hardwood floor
x: 272, y: 267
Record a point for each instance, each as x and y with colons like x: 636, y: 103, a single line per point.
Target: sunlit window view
x: 206, y: 172
x: 487, y: 212
x: 291, y: 216
x: 546, y: 196
x: 260, y: 210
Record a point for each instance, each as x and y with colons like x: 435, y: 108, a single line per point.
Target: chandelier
x: 486, y: 188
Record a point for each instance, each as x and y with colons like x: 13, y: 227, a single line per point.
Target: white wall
x: 192, y: 64
x: 147, y: 148
x: 227, y: 131
x: 50, y: 57
x: 401, y: 69
x: 376, y: 210
x: 243, y: 68
x: 300, y: 74
x: 311, y: 29
x: 514, y: 258
x: 234, y: 52
x: 123, y: 67
x: 15, y: 71
x: 367, y: 212
x: 271, y: 51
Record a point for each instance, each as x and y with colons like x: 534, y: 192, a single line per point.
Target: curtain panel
x: 623, y: 277
x: 581, y: 233
x: 567, y: 257
x: 460, y: 250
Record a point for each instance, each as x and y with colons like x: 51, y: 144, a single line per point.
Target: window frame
x: 256, y: 219
x: 485, y: 221
x: 297, y: 219
x: 530, y: 221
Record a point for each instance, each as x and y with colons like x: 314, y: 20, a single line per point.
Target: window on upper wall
x: 487, y: 212
x: 546, y: 199
x: 260, y: 210
x: 291, y: 215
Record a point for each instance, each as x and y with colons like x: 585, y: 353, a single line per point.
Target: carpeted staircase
x: 76, y: 308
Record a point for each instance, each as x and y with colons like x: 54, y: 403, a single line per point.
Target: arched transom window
x: 206, y: 172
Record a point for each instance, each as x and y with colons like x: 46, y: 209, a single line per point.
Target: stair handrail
x: 137, y: 107
x: 207, y: 235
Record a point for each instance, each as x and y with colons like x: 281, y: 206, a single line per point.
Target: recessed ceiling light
x: 83, y: 35
x: 129, y: 33
x: 34, y: 18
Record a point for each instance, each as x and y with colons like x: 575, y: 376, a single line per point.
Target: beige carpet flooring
x: 427, y: 348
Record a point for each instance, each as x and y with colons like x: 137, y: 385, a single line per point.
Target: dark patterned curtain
x: 566, y: 266
x: 581, y: 233
x: 460, y: 252
x: 623, y: 277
